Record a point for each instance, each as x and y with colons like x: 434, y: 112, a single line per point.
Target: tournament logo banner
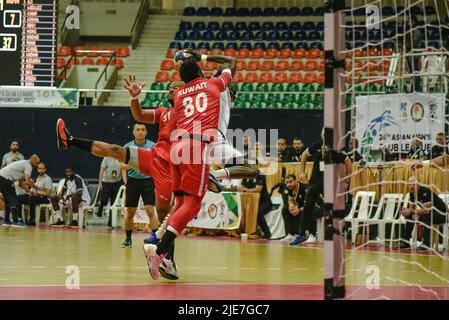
x: 38, y: 97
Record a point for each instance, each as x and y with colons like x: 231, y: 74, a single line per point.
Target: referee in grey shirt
x: 13, y: 172
x: 110, y: 180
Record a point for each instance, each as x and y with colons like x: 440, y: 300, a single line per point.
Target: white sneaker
x: 168, y: 270
x: 311, y: 239
x: 153, y: 260
x: 288, y: 238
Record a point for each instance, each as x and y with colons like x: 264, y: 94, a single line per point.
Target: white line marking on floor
x: 301, y: 269
x: 38, y: 267
x: 115, y: 267
x: 247, y: 268
x: 221, y: 268
x: 273, y: 269
x: 141, y: 267
x: 87, y: 267
x: 9, y: 267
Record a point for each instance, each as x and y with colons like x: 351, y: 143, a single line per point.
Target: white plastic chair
x: 388, y: 212
x: 92, y: 206
x: 445, y: 198
x: 117, y: 207
x: 363, y: 214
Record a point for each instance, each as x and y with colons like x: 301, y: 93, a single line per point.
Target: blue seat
x: 360, y: 12
x: 359, y: 45
x: 175, y: 45
x: 320, y: 26
x: 268, y: 26
x: 389, y: 45
x: 189, y: 11
x: 254, y: 25
x: 319, y: 11
x: 308, y: 26
x: 181, y: 35
x: 435, y: 44
x: 232, y: 45
x: 216, y: 12
x: 286, y: 36
x: 416, y: 10
x: 302, y: 45
x: 400, y: 9
x: 294, y: 11
x: 300, y: 36
x: 255, y: 12
x: 227, y: 26
x: 221, y: 36
x: 260, y: 36
x: 230, y: 12
x: 281, y: 12
x: 281, y: 26
x: 374, y: 35
x: 268, y: 12
x: 358, y: 36
x: 203, y: 45
x: 316, y: 45
x: 234, y: 35
x: 189, y: 44
x: 434, y: 35
x: 273, y: 36
x: 295, y: 26
x: 218, y: 45
x: 246, y: 45
x: 388, y: 11
x: 208, y: 36
x: 287, y: 45
x: 348, y: 45
x: 307, y: 11
x: 194, y: 35
x: 273, y: 45
x: 260, y: 45
x: 239, y: 26
x: 185, y: 25
x: 242, y: 12
x: 430, y: 11
x: 313, y: 36
x: 213, y: 26
x: 202, y: 11
x: 199, y: 26
x: 247, y: 36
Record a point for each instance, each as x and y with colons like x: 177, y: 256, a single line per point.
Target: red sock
x: 187, y: 211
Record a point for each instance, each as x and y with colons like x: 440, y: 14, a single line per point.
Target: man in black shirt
x: 352, y: 151
x: 259, y: 185
x: 282, y: 150
x: 429, y: 208
x: 293, y: 194
x: 295, y: 153
x: 416, y: 151
x: 439, y: 148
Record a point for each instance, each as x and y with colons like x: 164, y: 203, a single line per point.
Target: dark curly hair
x: 190, y: 71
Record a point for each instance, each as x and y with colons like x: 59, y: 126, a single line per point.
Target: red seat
x: 87, y: 61
x: 230, y: 52
x: 123, y: 52
x: 250, y: 77
x: 369, y: 66
x: 280, y: 77
x: 256, y: 53
x: 170, y: 54
x: 238, y: 77
x: 356, y: 78
x: 285, y: 53
x: 102, y: 62
x: 271, y: 54
x: 321, y: 78
x: 296, y: 65
x: 210, y: 66
x: 64, y: 51
x: 60, y: 63
x: 384, y: 66
x: 299, y: 54
x: 94, y: 52
x: 267, y: 65
x: 253, y: 65
x: 240, y: 65
x: 360, y: 53
x: 313, y: 54
x: 108, y: 54
x: 216, y: 51
x: 167, y: 65
x: 203, y: 51
x: 310, y: 78
x: 242, y: 53
x: 282, y: 65
x: 175, y: 76
x: 358, y: 65
x: 80, y: 54
x: 311, y: 65
x: 373, y: 52
x: 295, y: 77
x: 266, y: 77
x: 322, y: 65
x: 72, y: 62
x: 387, y: 52
x: 162, y: 76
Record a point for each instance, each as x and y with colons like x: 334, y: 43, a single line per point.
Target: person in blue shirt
x: 138, y: 185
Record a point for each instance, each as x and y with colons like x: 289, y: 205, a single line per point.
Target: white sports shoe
x: 288, y: 238
x: 168, y: 270
x: 153, y: 260
x: 311, y: 239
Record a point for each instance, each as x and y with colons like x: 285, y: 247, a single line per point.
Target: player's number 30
x: 200, y: 104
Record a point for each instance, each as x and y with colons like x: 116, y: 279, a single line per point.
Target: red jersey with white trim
x: 197, y: 105
x: 162, y: 116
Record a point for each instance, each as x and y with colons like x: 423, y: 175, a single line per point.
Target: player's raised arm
x: 231, y: 61
x: 144, y: 116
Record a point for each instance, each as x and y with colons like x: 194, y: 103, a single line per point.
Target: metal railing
x: 139, y: 22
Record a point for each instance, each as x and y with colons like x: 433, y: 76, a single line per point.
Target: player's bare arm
x: 226, y: 60
x: 134, y: 89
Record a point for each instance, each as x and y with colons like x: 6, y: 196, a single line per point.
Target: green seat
x: 288, y: 98
x: 259, y: 97
x: 262, y: 87
x: 318, y: 102
x: 293, y: 87
x: 320, y: 88
x: 278, y: 87
x: 157, y: 86
x: 246, y: 87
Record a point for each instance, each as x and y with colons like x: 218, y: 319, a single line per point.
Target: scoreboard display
x: 28, y: 42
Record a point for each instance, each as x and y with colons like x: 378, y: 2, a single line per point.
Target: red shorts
x: 148, y: 162
x: 189, y: 167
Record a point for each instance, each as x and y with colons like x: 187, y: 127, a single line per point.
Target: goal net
x: 396, y: 93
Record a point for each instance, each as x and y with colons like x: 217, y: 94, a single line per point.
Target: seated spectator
x: 428, y: 207
x: 258, y: 154
x: 282, y: 150
x: 110, y: 180
x: 245, y: 147
x: 38, y: 195
x: 259, y: 185
x: 13, y: 154
x: 295, y: 153
x: 440, y: 147
x: 416, y: 150
x: 293, y: 193
x: 352, y: 150
x: 74, y: 195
